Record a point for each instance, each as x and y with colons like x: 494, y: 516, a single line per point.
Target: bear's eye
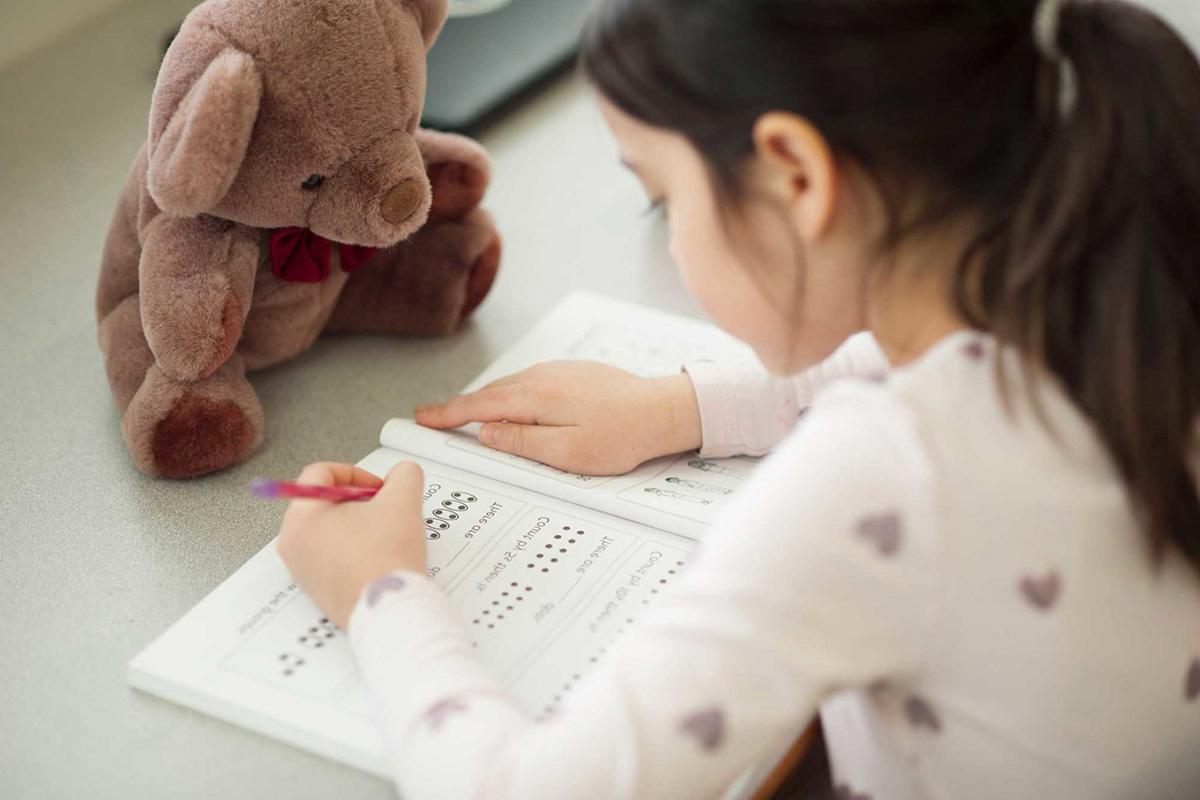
x: 313, y: 182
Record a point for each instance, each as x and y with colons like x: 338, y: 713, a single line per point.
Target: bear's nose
x: 401, y: 202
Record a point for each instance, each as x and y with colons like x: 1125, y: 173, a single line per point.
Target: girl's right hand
x: 579, y: 416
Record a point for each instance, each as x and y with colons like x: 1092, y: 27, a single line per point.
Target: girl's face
x: 783, y: 273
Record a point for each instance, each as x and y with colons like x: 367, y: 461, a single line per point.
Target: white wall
x: 26, y: 25
x: 1183, y: 14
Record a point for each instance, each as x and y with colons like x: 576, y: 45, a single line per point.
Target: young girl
x: 980, y: 568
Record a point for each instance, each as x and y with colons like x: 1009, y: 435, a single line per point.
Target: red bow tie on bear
x: 300, y: 256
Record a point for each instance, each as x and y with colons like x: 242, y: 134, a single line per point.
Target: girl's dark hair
x: 1088, y: 253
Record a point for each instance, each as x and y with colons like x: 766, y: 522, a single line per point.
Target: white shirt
x: 964, y: 595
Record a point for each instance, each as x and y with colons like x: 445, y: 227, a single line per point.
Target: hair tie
x: 1047, y: 25
x: 1047, y: 20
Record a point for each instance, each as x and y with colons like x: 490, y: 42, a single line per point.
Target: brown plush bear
x: 285, y: 191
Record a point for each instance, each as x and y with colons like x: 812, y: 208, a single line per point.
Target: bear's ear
x: 432, y: 16
x: 196, y: 157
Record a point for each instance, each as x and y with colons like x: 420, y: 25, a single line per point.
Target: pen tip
x: 267, y: 490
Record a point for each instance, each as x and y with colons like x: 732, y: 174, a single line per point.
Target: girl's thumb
x: 403, y: 485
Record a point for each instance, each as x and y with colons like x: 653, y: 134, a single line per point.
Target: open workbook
x: 546, y: 568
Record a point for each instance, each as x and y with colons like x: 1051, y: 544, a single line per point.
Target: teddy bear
x: 285, y: 191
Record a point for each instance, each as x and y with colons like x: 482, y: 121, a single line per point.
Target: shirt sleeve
x: 814, y: 581
x: 745, y: 411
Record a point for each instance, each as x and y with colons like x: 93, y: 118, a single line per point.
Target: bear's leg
x: 177, y: 429
x: 127, y: 357
x: 459, y: 173
x: 427, y: 285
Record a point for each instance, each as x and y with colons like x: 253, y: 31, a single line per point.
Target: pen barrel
x: 336, y: 494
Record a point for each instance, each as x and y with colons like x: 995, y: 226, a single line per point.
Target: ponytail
x: 1095, y: 273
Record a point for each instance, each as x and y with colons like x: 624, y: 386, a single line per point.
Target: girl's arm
x: 814, y: 581
x: 596, y: 419
x: 748, y: 413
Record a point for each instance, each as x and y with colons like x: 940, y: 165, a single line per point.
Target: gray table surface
x: 97, y: 560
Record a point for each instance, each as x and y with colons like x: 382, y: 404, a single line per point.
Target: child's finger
x: 428, y: 414
x: 486, y: 405
x: 328, y: 473
x: 549, y: 445
x: 403, y: 487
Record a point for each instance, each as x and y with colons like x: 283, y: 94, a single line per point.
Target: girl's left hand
x: 333, y: 550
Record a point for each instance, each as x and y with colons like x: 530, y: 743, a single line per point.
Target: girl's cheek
x: 696, y: 258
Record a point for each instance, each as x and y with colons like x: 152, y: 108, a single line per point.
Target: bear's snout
x: 401, y: 202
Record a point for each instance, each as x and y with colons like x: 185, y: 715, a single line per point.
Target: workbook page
x: 544, y: 588
x: 587, y: 327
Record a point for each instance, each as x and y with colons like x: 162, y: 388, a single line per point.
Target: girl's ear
x: 196, y: 157
x: 801, y: 167
x: 431, y: 14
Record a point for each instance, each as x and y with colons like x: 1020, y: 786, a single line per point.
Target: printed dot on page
x: 514, y: 584
x: 519, y: 599
x: 486, y: 611
x: 654, y: 591
x: 562, y: 549
x: 570, y: 541
x: 670, y: 572
x: 558, y: 536
x: 510, y: 608
x: 529, y: 565
x: 549, y: 547
x: 545, y: 569
x: 529, y: 588
x: 495, y: 602
x: 490, y: 625
x: 504, y: 594
x: 566, y: 527
x: 662, y: 580
x: 541, y: 555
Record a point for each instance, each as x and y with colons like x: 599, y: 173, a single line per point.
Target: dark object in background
x: 481, y: 64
